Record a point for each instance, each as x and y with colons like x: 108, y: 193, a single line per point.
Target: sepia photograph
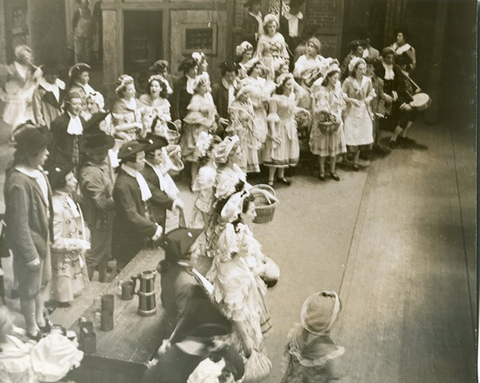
x: 238, y: 191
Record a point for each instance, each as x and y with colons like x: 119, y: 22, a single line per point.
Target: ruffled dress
x: 204, y: 187
x: 311, y: 360
x: 307, y: 70
x: 201, y: 117
x: 242, y: 116
x: 228, y: 180
x: 287, y: 152
x: 69, y: 274
x: 259, y: 94
x: 18, y: 93
x: 46, y: 361
x: 264, y: 52
x: 124, y: 113
x: 359, y: 120
x: 236, y: 290
x: 327, y: 140
x: 161, y: 109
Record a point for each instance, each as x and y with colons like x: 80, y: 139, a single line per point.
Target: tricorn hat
x: 97, y: 143
x: 78, y: 68
x: 154, y: 142
x: 187, y: 64
x: 130, y: 148
x: 57, y: 174
x: 93, y: 125
x: 29, y: 140
x: 177, y: 242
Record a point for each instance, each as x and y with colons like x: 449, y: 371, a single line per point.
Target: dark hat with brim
x: 97, y: 143
x: 187, y: 64
x: 93, y: 125
x: 201, y: 318
x: 130, y: 148
x: 387, y: 51
x: 30, y: 140
x: 229, y: 66
x: 78, y: 68
x: 249, y: 3
x: 356, y: 43
x: 159, y: 65
x: 177, y: 242
x: 154, y: 142
x: 57, y: 174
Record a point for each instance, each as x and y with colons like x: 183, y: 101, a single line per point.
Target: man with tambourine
x: 410, y: 100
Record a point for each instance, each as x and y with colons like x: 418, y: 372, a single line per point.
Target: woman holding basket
x: 326, y: 137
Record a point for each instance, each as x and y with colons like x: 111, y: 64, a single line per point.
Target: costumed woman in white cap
x: 281, y: 148
x: 244, y: 53
x: 310, y: 353
x: 326, y: 137
x: 358, y: 93
x: 127, y: 111
x: 22, y: 80
x: 201, y: 117
x: 271, y: 38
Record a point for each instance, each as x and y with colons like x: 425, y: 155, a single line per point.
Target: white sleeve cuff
x: 158, y: 233
x: 32, y: 262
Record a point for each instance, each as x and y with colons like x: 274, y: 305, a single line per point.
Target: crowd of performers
x: 109, y: 189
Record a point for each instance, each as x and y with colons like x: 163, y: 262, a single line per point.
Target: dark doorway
x: 142, y: 42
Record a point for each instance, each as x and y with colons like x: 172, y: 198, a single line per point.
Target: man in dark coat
x: 223, y: 92
x: 183, y: 89
x: 133, y: 224
x: 192, y: 342
x: 291, y: 26
x: 29, y: 220
x: 160, y: 201
x: 96, y: 184
x: 252, y: 22
x: 67, y: 133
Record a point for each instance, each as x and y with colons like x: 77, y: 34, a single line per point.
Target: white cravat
x: 293, y: 23
x: 231, y: 91
x: 75, y: 127
x: 190, y: 84
x: 54, y: 88
x: 144, y: 189
x: 389, y: 74
x: 38, y: 176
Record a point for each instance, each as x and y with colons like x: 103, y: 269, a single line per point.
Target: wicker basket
x: 264, y: 208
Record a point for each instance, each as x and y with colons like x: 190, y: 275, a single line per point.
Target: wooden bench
x: 121, y: 354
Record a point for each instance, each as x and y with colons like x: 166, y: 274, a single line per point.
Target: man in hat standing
x: 133, y: 223
x: 291, y: 25
x: 253, y: 22
x: 183, y: 89
x: 96, y: 184
x: 29, y: 220
x: 49, y: 96
x: 179, y: 281
x: 160, y: 201
x: 223, y: 93
x: 67, y: 133
x: 193, y: 342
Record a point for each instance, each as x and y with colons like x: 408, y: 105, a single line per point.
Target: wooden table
x: 122, y: 353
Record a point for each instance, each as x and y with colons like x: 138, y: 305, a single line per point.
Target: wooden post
x: 434, y: 80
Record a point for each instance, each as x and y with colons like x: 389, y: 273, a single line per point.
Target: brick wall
x: 325, y: 19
